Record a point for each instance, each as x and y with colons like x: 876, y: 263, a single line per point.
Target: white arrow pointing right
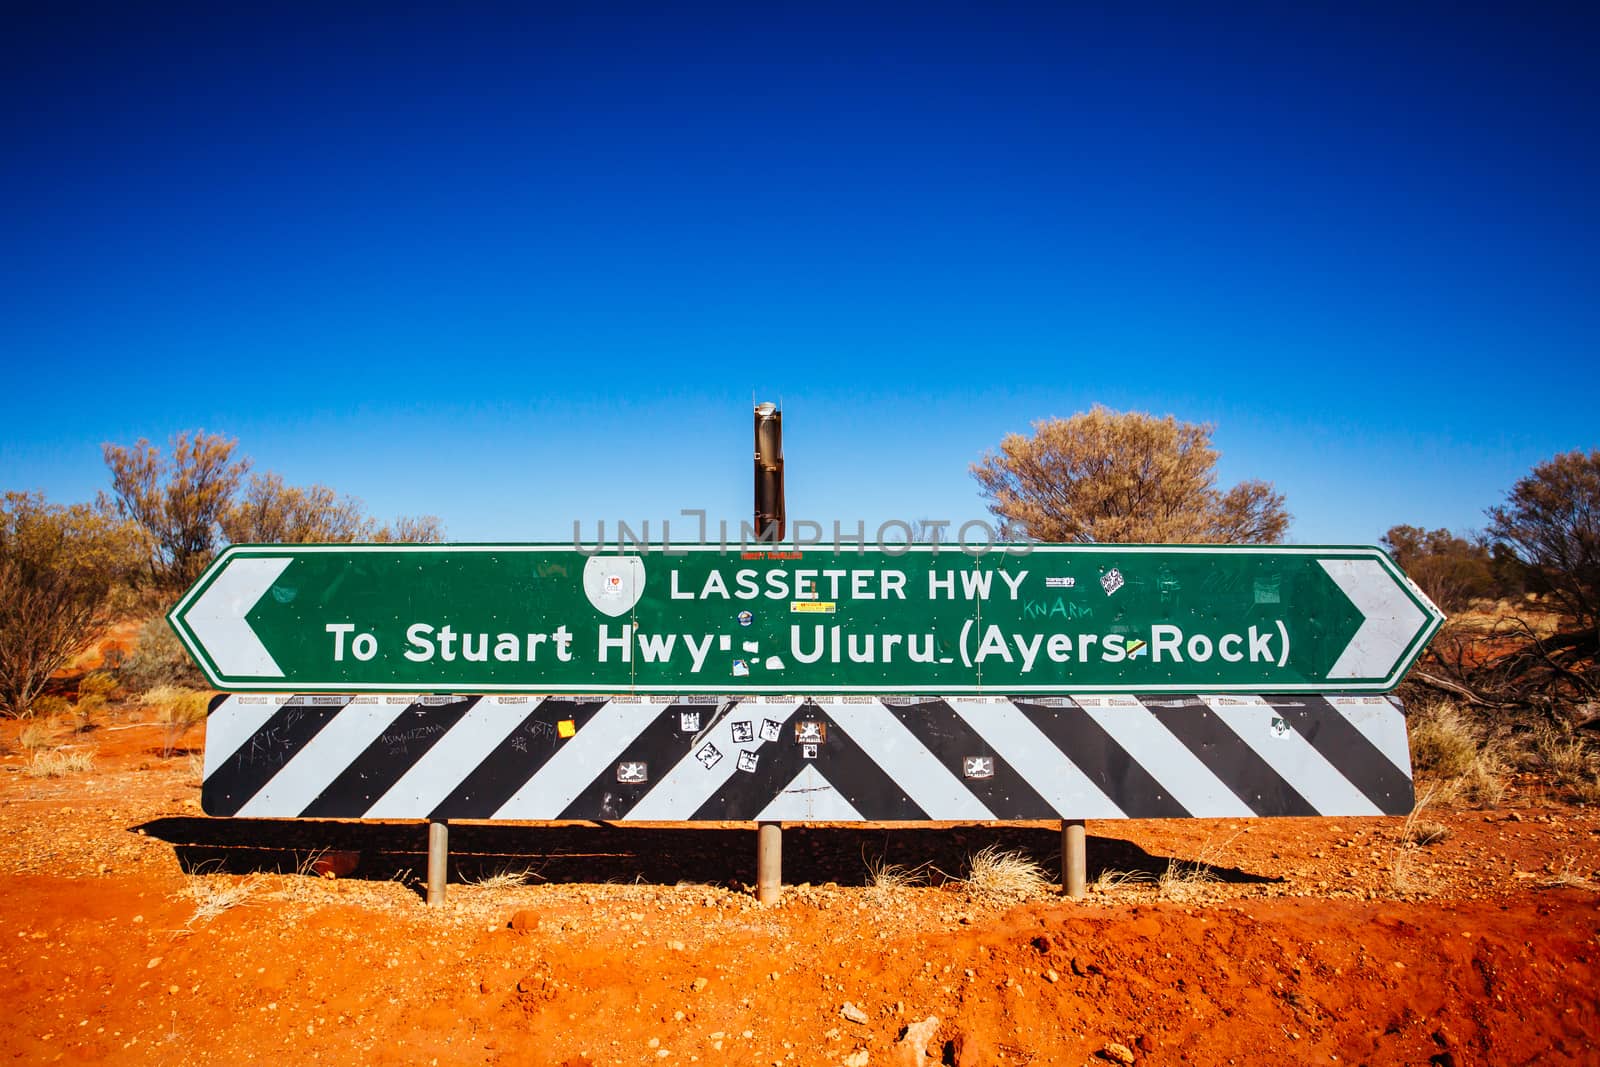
x: 1391, y: 620
x: 217, y: 618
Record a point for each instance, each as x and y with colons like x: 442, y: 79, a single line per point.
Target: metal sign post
x: 770, y: 522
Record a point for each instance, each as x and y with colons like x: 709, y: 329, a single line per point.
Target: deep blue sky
x: 515, y: 266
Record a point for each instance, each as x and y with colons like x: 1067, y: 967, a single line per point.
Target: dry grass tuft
x: 1109, y: 881
x: 1416, y: 833
x: 1468, y: 765
x: 59, y: 763
x: 504, y: 878
x: 178, y: 710
x: 998, y: 876
x: 1569, y: 761
x: 884, y: 877
x: 1183, y: 878
x: 215, y: 894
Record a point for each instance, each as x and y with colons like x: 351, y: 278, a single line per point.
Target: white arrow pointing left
x: 217, y: 618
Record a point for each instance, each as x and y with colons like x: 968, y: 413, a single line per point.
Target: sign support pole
x: 769, y: 527
x: 438, y: 860
x: 1074, y: 858
x: 769, y: 862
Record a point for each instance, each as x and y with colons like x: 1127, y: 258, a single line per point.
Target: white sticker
x: 747, y: 761
x: 743, y: 731
x: 632, y: 772
x: 613, y: 584
x: 1111, y: 581
x: 771, y: 730
x: 708, y: 756
x: 689, y: 721
x: 741, y: 669
x: 1060, y: 583
x: 977, y: 766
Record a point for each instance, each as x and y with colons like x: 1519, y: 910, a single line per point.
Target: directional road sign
x: 1051, y: 619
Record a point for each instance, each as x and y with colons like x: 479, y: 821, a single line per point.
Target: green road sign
x: 1058, y: 619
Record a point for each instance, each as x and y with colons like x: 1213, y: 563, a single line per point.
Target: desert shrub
x: 177, y: 711
x: 50, y: 705
x: 1566, y: 759
x: 1443, y: 740
x: 97, y: 683
x: 1106, y: 475
x: 159, y: 659
x: 1450, y: 745
x: 57, y: 567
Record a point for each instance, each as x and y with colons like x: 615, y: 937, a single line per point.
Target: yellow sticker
x: 811, y: 607
x: 566, y: 728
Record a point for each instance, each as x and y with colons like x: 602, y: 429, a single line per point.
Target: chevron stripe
x: 793, y: 759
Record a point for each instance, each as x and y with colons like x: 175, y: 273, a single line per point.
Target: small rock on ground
x: 912, y: 1049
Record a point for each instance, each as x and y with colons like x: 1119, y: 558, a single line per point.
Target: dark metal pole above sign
x: 769, y: 473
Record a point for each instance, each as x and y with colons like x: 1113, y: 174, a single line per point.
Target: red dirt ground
x: 1318, y: 941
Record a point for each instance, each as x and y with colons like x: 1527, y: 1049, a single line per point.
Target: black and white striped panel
x: 796, y: 759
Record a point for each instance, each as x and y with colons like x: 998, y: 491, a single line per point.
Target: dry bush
x: 97, y: 683
x: 178, y: 710
x: 36, y: 736
x: 59, y: 763
x: 177, y: 504
x: 998, y: 876
x: 1567, y: 759
x: 1587, y: 790
x: 57, y: 567
x: 1106, y: 475
x: 1443, y: 740
x: 50, y: 706
x: 159, y: 659
x: 1449, y: 745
